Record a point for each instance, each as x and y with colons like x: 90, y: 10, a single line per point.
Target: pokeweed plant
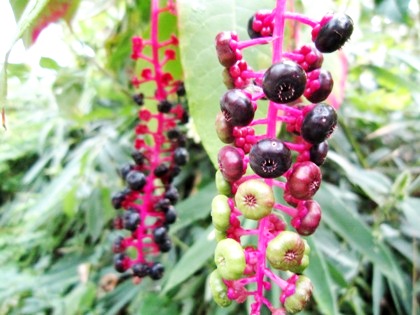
x: 146, y: 205
x: 253, y: 167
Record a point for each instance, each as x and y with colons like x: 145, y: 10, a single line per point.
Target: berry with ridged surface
x: 270, y: 158
x: 237, y: 108
x: 136, y: 180
x: 319, y: 123
x: 312, y: 58
x: 260, y: 24
x: 284, y: 82
x: 225, y: 53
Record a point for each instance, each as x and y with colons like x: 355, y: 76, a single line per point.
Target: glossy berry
x: 224, y: 129
x: 307, y: 219
x: 161, y: 170
x: 304, y: 180
x: 286, y: 250
x: 319, y: 123
x: 165, y: 246
x: 220, y: 212
x: 170, y: 215
x: 225, y: 54
x: 138, y: 157
x: 334, y: 33
x: 118, y: 198
x: 237, y: 108
x: 141, y: 270
x: 318, y: 153
x: 156, y: 271
x: 172, y: 194
x: 318, y: 86
x: 174, y: 134
x: 284, y: 82
x: 120, y: 262
x: 231, y: 164
x: 136, y: 180
x: 218, y: 289
x: 131, y: 220
x: 124, y: 170
x: 254, y: 199
x: 163, y: 204
x: 164, y: 106
x: 270, y: 158
x: 160, y: 234
x: 180, y: 90
x: 139, y: 99
x: 181, y: 156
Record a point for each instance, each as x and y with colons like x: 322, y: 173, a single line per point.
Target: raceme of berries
x: 253, y: 166
x: 146, y: 205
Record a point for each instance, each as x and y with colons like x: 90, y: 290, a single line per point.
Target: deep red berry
x: 231, y: 164
x: 284, y: 82
x: 334, y: 33
x: 312, y: 58
x: 270, y: 158
x: 319, y: 123
x: 318, y: 86
x: 308, y: 217
x: 318, y: 153
x: 224, y: 129
x: 226, y: 55
x: 237, y: 108
x: 304, y: 180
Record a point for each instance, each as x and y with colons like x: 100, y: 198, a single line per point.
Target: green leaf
x: 378, y: 289
x: 349, y: 225
x: 193, y: 259
x: 199, y: 23
x: 324, y: 290
x: 49, y: 63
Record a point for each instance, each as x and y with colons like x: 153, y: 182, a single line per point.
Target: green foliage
x: 70, y: 129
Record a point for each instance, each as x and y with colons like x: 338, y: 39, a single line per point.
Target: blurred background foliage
x: 69, y: 128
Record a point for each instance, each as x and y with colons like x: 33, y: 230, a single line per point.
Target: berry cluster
x: 147, y: 203
x: 253, y: 166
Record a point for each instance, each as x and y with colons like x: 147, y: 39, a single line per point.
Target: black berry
x: 118, y: 246
x: 163, y: 204
x: 165, y: 246
x: 284, y: 82
x: 270, y: 158
x: 138, y: 157
x: 237, y: 108
x: 181, y: 156
x: 172, y: 194
x: 156, y: 271
x: 160, y: 234
x: 119, y: 262
x: 319, y: 123
x: 118, y: 198
x: 161, y: 170
x: 180, y: 90
x: 135, y: 180
x: 141, y: 270
x: 124, y: 170
x: 334, y: 33
x: 131, y: 220
x: 164, y: 106
x: 170, y: 215
x: 139, y: 99
x: 319, y: 85
x: 318, y: 153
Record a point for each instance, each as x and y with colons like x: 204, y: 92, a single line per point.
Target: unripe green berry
x: 230, y: 259
x: 220, y: 212
x: 219, y: 235
x: 298, y: 300
x: 285, y: 251
x: 304, y: 262
x: 218, y: 289
x: 222, y: 185
x: 254, y: 199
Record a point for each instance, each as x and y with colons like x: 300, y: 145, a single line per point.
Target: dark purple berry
x: 172, y: 194
x: 135, y: 180
x: 139, y: 99
x: 163, y: 204
x: 161, y: 170
x: 185, y: 117
x: 138, y: 157
x: 124, y: 170
x: 304, y: 180
x: 180, y: 90
x: 224, y: 129
x: 334, y: 33
x: 319, y: 123
x: 160, y: 234
x: 165, y: 246
x: 284, y: 82
x: 156, y: 271
x: 118, y: 246
x: 141, y: 270
x: 237, y: 108
x: 225, y: 54
x: 174, y: 134
x: 118, y: 198
x: 120, y: 264
x: 131, y: 220
x: 319, y: 85
x: 260, y: 24
x: 164, y: 106
x: 170, y: 215
x: 251, y: 32
x: 181, y: 156
x: 270, y: 158
x: 318, y: 153
x: 231, y: 163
